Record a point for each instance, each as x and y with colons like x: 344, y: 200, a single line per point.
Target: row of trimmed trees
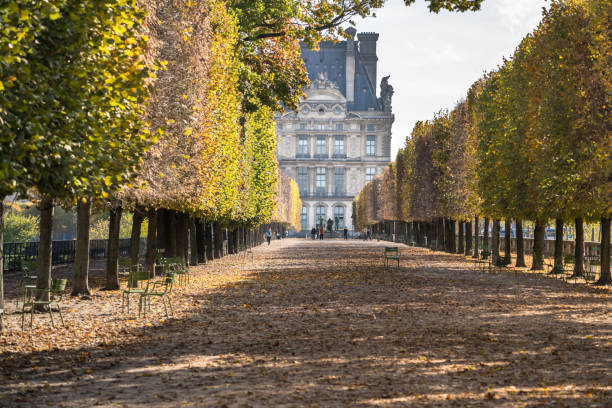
x: 144, y: 107
x: 532, y: 141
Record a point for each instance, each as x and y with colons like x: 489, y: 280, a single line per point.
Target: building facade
x: 340, y: 137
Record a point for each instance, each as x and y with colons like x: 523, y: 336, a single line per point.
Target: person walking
x: 269, y: 236
x: 313, y: 233
x: 321, y: 233
x: 345, y: 233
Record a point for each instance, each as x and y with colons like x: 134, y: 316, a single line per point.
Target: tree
x: 76, y: 109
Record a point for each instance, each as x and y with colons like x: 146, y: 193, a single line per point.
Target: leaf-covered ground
x: 322, y: 323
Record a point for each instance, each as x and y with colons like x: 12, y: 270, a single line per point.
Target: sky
x: 433, y: 59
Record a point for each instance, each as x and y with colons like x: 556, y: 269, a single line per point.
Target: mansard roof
x: 331, y: 60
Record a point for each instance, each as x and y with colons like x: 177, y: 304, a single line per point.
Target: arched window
x: 304, y: 217
x: 339, y: 217
x: 320, y: 216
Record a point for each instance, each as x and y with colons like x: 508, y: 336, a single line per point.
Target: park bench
x: 391, y: 253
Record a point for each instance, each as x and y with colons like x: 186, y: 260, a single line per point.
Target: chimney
x: 350, y: 65
x: 367, y: 49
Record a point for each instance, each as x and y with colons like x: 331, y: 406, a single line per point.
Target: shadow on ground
x: 323, y: 323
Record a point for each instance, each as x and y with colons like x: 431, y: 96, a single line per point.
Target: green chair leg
x: 51, y: 315
x: 61, y: 316
x: 165, y: 307
x: 170, y: 303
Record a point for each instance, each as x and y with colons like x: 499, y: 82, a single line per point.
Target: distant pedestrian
x: 313, y: 233
x: 345, y: 233
x: 321, y: 233
x: 269, y: 236
x: 369, y: 236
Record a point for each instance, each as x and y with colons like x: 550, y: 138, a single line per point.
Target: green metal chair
x: 28, y: 279
x: 124, y: 266
x: 391, y: 253
x: 162, y: 289
x: 432, y: 244
x: 483, y: 262
x: 175, y: 266
x: 137, y: 284
x: 44, y: 297
x: 160, y: 265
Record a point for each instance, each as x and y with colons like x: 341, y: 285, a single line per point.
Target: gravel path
x: 323, y: 324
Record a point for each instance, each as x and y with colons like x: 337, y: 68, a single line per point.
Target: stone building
x: 340, y: 137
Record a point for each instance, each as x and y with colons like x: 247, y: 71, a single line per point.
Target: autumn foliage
x: 531, y: 141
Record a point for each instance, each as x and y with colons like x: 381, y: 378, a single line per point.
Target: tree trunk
x: 200, y: 238
x: 112, y: 256
x: 208, y: 240
x: 520, y: 245
x: 161, y: 232
x: 193, y: 242
x: 579, y: 248
x: 237, y: 240
x: 558, y: 264
x: 605, y: 278
x: 440, y: 233
x: 485, y: 236
x: 476, y: 239
x: 452, y: 238
x: 1, y: 264
x: 538, y: 246
x: 218, y: 240
x: 80, y: 280
x: 230, y: 242
x: 45, y: 246
x: 181, y: 244
x: 495, y: 241
x: 461, y: 248
x: 137, y: 219
x: 171, y: 248
x: 468, y: 238
x: 151, y: 241
x: 185, y: 230
x: 508, y: 240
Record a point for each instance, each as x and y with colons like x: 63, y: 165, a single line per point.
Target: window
x: 302, y: 145
x: 370, y: 173
x: 339, y: 181
x: 321, y: 145
x: 303, y: 180
x: 321, y: 180
x: 339, y: 145
x: 370, y: 145
x: 320, y: 216
x: 303, y: 126
x: 319, y: 126
x: 304, y: 217
x: 370, y: 127
x: 339, y: 217
x: 339, y: 126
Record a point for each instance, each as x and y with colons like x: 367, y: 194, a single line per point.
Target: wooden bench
x: 391, y: 253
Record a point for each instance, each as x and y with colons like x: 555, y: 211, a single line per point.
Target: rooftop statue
x: 386, y: 94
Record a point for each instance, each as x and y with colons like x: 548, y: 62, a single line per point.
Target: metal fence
x: 62, y: 252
